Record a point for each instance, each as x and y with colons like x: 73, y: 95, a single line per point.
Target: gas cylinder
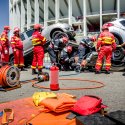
x: 54, y: 78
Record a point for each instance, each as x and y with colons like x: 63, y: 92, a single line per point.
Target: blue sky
x: 4, y: 14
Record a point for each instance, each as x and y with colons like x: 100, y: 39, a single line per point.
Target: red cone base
x: 54, y: 87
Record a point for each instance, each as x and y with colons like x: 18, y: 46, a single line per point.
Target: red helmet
x: 37, y: 26
x: 16, y: 29
x: 105, y: 27
x: 6, y: 28
x: 69, y: 49
x: 65, y: 39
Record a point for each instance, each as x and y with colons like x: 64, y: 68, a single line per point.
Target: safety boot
x: 39, y: 71
x: 123, y: 74
x: 34, y: 72
x: 107, y: 72
x: 97, y: 72
x: 23, y: 69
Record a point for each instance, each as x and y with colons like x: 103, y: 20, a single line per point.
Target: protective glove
x: 119, y: 46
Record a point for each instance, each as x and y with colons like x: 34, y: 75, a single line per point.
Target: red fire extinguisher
x: 54, y: 78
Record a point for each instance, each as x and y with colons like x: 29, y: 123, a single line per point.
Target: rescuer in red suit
x: 38, y: 51
x: 4, y: 42
x: 17, y: 47
x: 105, y: 46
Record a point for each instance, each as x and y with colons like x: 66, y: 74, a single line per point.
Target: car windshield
x: 122, y: 22
x: 29, y: 33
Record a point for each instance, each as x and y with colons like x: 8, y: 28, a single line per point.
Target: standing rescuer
x: 38, y: 51
x: 17, y: 47
x: 105, y: 46
x: 4, y: 42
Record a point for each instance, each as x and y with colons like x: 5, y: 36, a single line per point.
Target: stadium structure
x: 84, y: 15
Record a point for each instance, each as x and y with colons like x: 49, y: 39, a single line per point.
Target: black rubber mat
x: 112, y: 118
x: 95, y: 119
x: 117, y: 116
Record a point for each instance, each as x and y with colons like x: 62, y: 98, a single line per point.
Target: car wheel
x: 60, y: 35
x: 117, y: 57
x: 117, y: 41
x: 55, y: 33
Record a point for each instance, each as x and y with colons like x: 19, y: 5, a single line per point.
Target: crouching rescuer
x: 54, y: 48
x: 38, y: 51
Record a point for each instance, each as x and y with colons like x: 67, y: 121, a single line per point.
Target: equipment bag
x: 88, y: 104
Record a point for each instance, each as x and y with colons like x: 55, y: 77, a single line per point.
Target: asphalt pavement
x: 113, y: 93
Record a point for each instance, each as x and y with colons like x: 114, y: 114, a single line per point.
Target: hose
x: 34, y: 84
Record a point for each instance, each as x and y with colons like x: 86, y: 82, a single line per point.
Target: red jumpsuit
x: 106, y: 45
x: 4, y: 41
x: 38, y: 41
x: 17, y: 46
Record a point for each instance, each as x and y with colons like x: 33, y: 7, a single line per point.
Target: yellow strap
x: 35, y: 39
x: 5, y: 120
x: 44, y: 39
x: 99, y: 64
x: 99, y: 38
x: 113, y: 41
x: 36, y: 43
x: 13, y: 42
x: 3, y: 39
x: 107, y: 40
x: 108, y: 64
x: 16, y: 65
x: 33, y: 67
x: 21, y: 64
x: 40, y: 66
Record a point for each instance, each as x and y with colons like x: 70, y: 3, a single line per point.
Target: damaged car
x: 50, y: 32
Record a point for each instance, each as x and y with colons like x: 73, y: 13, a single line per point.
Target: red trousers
x: 18, y: 58
x: 5, y: 55
x: 107, y: 52
x: 38, y: 56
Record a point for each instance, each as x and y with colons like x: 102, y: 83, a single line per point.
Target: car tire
x: 55, y: 33
x: 60, y: 35
x: 118, y: 56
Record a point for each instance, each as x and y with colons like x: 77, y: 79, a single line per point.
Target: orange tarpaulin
x: 52, y: 119
x: 24, y: 109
